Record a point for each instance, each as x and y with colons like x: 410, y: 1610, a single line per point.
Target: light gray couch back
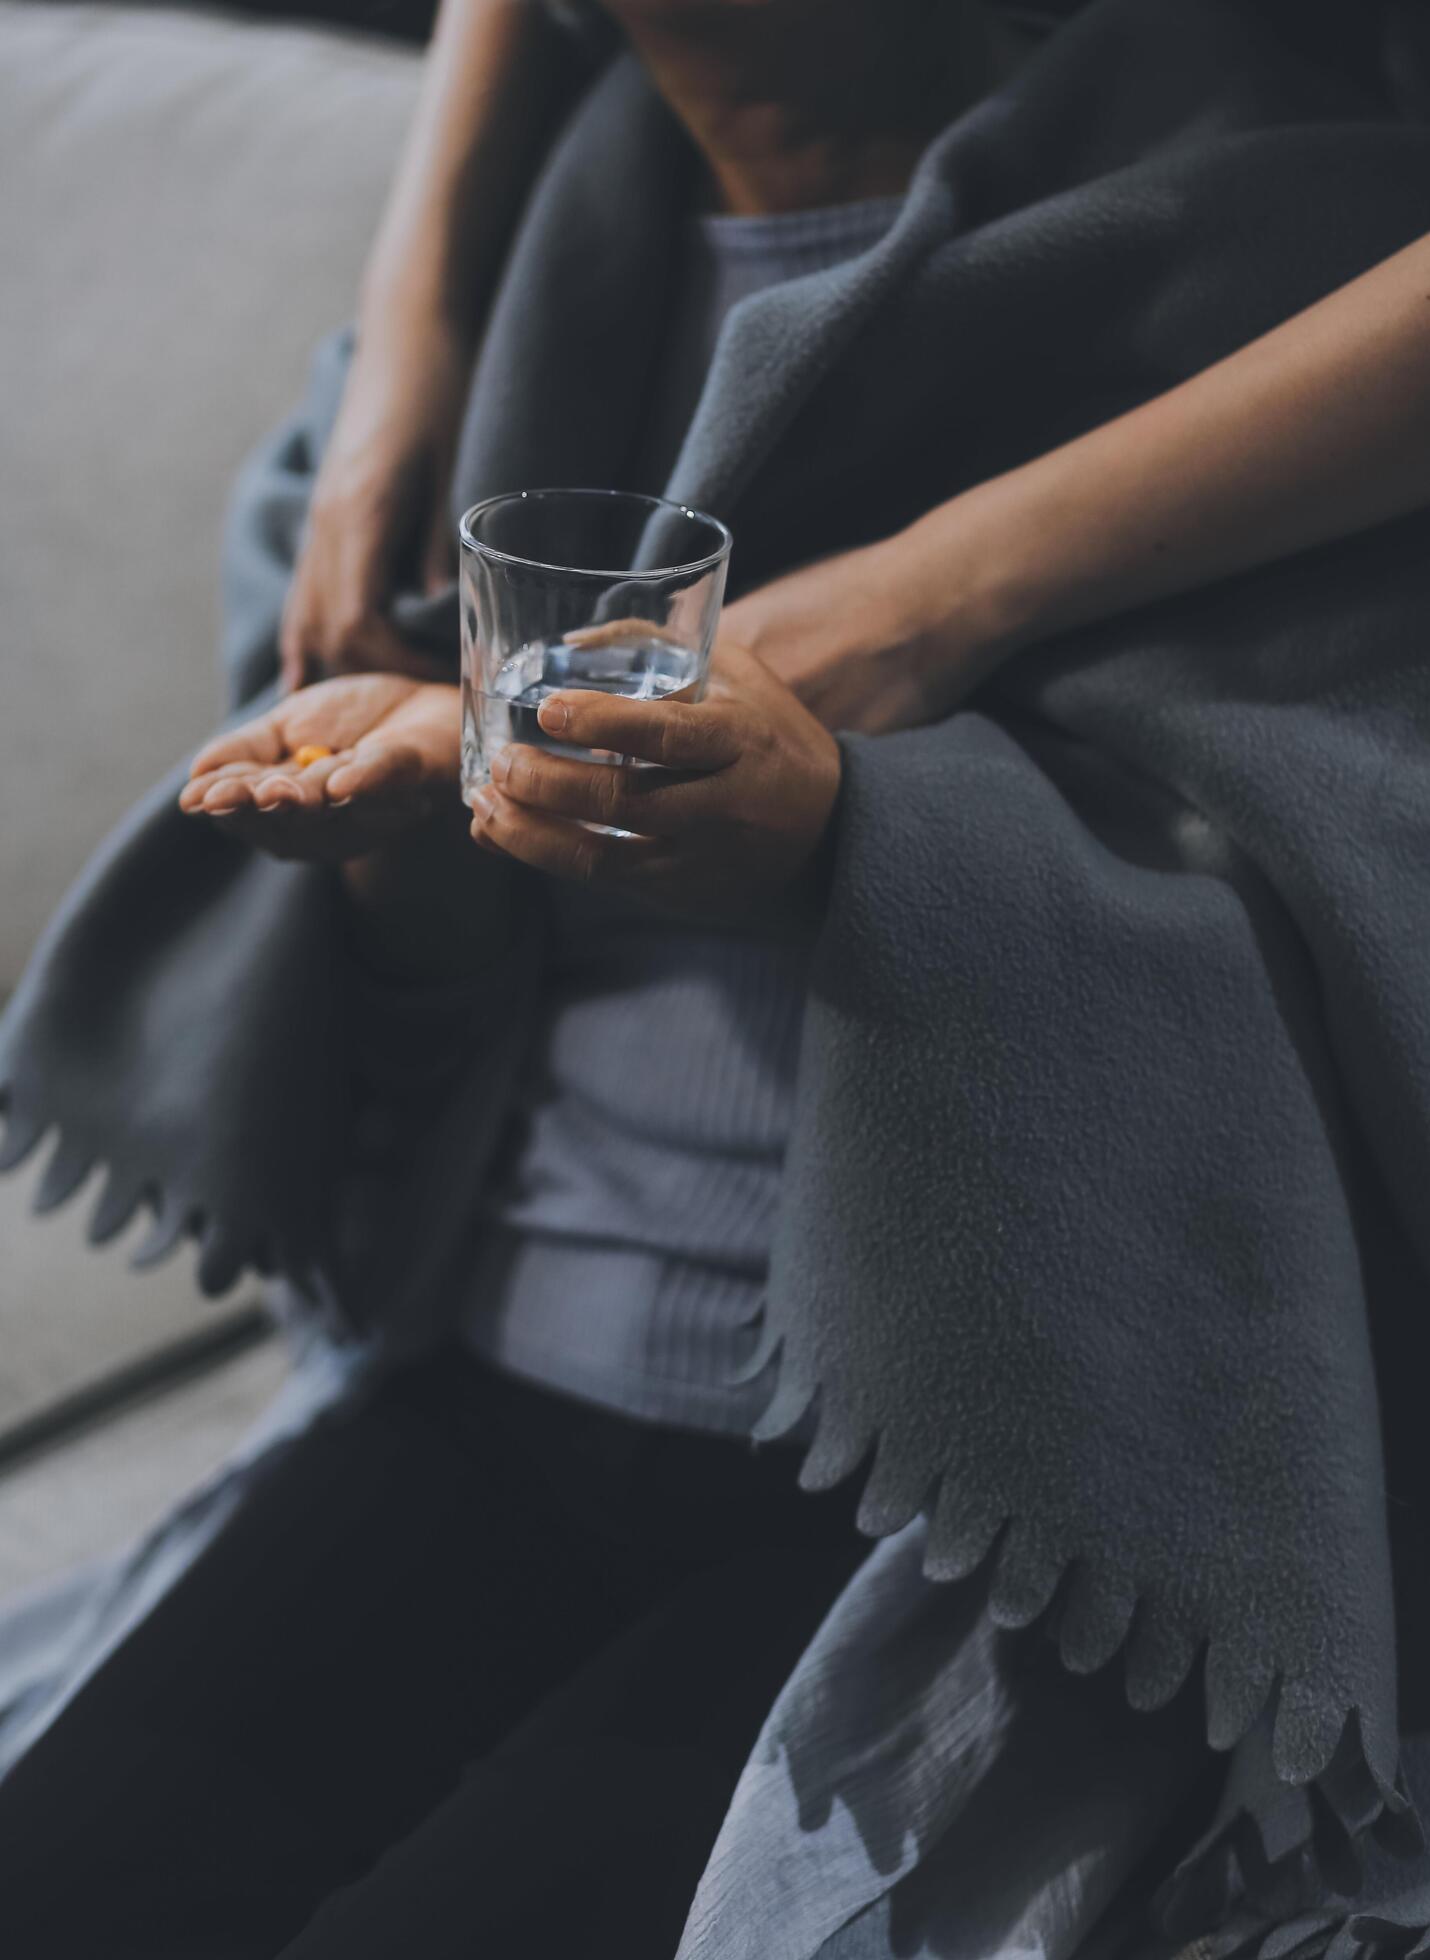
x: 185, y: 203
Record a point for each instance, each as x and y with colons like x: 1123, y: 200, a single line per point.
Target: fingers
x: 370, y: 644
x: 676, y: 734
x: 374, y: 768
x: 294, y: 633
x: 360, y: 640
x: 227, y: 788
x: 257, y: 785
x: 651, y: 801
x: 293, y: 788
x: 292, y: 814
x: 294, y: 671
x: 256, y: 741
x: 337, y: 715
x: 557, y: 846
x: 381, y: 776
x: 333, y: 619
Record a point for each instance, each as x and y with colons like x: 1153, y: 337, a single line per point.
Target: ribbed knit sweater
x: 625, y: 1236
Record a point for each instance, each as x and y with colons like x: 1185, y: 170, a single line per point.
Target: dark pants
x: 472, y: 1670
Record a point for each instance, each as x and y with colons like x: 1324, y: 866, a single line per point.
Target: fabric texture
x: 1116, y: 1032
x: 540, y: 1771
x: 640, y: 1171
x: 660, y: 1338
x: 438, y: 1664
x: 956, y: 1795
x: 722, y: 259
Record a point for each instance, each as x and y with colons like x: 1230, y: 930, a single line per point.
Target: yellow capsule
x: 310, y: 752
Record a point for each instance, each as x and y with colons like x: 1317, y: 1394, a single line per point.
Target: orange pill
x: 310, y: 752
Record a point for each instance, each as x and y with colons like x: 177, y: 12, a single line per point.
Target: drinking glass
x: 580, y: 588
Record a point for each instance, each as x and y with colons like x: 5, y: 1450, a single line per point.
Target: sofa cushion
x: 185, y: 203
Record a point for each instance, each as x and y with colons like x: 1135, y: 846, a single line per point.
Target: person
x: 569, y: 1585
x: 1311, y: 432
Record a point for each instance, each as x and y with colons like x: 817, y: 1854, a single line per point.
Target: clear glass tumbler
x: 580, y: 588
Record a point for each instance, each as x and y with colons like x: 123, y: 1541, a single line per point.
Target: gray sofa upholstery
x: 185, y: 202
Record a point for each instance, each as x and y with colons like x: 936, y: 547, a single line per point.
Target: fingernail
x: 482, y: 804
x: 501, y: 764
x: 553, y: 716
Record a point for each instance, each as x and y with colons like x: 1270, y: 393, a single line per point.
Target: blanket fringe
x: 1332, y: 1795
x: 1265, y: 1868
x: 178, y: 1216
x: 1332, y: 1936
x: 1334, y: 1786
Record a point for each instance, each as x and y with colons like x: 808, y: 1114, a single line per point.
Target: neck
x: 798, y: 103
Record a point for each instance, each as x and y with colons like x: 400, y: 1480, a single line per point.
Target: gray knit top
x: 623, y: 1244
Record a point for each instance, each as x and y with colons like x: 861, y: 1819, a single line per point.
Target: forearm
x: 498, y: 77
x: 1316, y: 431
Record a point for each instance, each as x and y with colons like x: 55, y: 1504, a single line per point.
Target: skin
x: 395, y: 748
x: 779, y: 132
x: 729, y: 822
x: 1317, y: 430
x: 728, y: 825
x: 498, y: 78
x: 383, y: 809
x: 737, y: 831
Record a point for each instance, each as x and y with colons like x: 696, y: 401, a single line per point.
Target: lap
x: 445, y: 1573
x: 586, y: 1829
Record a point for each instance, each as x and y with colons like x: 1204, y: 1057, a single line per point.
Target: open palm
x: 391, y: 752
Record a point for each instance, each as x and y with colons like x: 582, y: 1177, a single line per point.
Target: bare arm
x: 498, y: 77
x: 1319, y: 429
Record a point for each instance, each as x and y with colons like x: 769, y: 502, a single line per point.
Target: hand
x: 393, y: 753
x: 874, y: 639
x: 727, y: 827
x: 380, y: 497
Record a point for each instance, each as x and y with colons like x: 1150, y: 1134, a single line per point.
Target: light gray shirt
x: 622, y: 1249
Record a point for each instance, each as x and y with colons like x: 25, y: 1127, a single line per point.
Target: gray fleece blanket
x: 1105, y: 1199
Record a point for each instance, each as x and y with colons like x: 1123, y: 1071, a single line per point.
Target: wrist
x: 407, y: 308
x: 969, y: 600
x: 809, y: 895
x: 1031, y: 555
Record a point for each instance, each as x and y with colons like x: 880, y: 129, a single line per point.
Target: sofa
x: 185, y: 202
